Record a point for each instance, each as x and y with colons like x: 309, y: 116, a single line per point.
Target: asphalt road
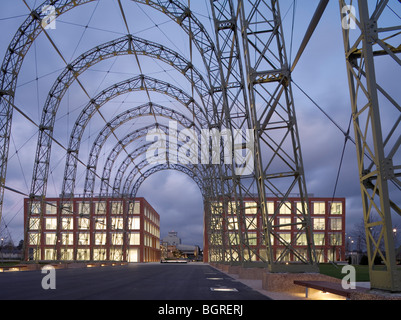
x: 193, y: 281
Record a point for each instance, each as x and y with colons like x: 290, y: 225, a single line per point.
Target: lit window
x: 83, y: 223
x: 251, y: 208
x: 84, y: 208
x: 100, y: 207
x: 301, y: 240
x: 50, y: 254
x: 100, y: 223
x: 336, y: 224
x: 116, y: 207
x: 67, y: 223
x: 285, y: 223
x: 285, y: 208
x: 318, y: 223
x: 34, y: 238
x: 51, y: 208
x: 117, y: 239
x: 35, y: 207
x: 134, y: 223
x: 318, y: 238
x: 50, y: 239
x: 67, y: 208
x: 100, y: 238
x: 336, y: 208
x: 34, y: 223
x: 251, y: 223
x: 83, y: 239
x: 319, y: 208
x: 233, y: 223
x: 83, y: 254
x: 67, y: 238
x: 335, y: 239
x: 117, y: 223
x: 135, y: 239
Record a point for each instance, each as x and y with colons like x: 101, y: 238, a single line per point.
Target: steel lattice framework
x: 378, y: 154
x: 247, y: 86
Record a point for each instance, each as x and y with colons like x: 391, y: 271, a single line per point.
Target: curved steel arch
x: 133, y: 84
x: 124, y: 45
x: 169, y: 166
x: 140, y: 111
x: 31, y: 28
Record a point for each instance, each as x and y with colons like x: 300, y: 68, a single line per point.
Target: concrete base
x: 284, y: 282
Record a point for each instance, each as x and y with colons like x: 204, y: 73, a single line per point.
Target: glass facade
x: 102, y: 229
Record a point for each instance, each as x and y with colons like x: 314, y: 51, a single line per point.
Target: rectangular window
x: 34, y: 223
x: 335, y: 239
x: 67, y: 254
x: 99, y: 254
x: 67, y: 208
x: 100, y: 207
x: 270, y: 207
x: 117, y: 223
x: 301, y: 240
x: 67, y: 223
x: 100, y: 238
x: 318, y: 223
x: 35, y: 207
x: 67, y: 239
x: 318, y: 238
x: 50, y: 239
x: 286, y: 237
x: 233, y: 223
x: 83, y: 223
x: 51, y: 223
x: 51, y: 208
x: 251, y: 223
x: 234, y: 239
x: 319, y: 208
x: 117, y: 239
x: 135, y: 239
x: 134, y: 208
x: 251, y: 208
x: 134, y: 223
x: 84, y: 208
x: 83, y: 239
x: 116, y: 207
x: 285, y: 208
x: 285, y: 223
x: 336, y: 224
x: 336, y: 208
x: 83, y: 254
x: 100, y: 223
x: 252, y: 238
x: 50, y: 254
x: 34, y: 238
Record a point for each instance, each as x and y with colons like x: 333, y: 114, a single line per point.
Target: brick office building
x: 328, y: 228
x: 99, y: 229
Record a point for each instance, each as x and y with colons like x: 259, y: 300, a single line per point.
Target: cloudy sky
x: 321, y: 73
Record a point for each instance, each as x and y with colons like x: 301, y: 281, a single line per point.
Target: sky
x: 321, y: 73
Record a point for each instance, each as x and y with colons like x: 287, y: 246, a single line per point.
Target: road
x: 154, y: 281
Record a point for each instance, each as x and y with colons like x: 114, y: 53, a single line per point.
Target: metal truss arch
x: 32, y: 27
x: 168, y: 166
x: 149, y: 109
x: 134, y: 84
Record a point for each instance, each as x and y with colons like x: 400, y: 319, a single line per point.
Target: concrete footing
x: 284, y: 282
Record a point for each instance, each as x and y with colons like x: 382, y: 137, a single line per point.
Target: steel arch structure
x: 238, y: 83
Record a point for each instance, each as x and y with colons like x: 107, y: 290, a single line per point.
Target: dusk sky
x: 321, y: 73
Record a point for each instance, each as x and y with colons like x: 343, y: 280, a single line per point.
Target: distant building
x: 96, y: 229
x: 172, y: 239
x: 328, y: 229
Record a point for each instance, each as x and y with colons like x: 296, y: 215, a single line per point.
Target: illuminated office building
x: 97, y: 229
x: 327, y: 220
